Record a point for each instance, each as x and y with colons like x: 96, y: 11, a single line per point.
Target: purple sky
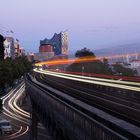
x: 91, y: 23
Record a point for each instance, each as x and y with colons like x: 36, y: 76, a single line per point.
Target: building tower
x: 59, y: 43
x: 9, y: 47
x: 64, y: 43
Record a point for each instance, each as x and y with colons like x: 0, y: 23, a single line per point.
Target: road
x: 20, y: 119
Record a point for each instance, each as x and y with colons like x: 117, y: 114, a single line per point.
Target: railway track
x: 124, y: 128
x: 75, y: 75
x: 122, y: 108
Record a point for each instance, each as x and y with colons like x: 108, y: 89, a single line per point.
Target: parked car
x: 5, y: 126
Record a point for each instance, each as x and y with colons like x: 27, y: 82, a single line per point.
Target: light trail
x: 16, y: 132
x: 12, y: 135
x: 10, y: 100
x: 81, y: 59
x: 21, y: 111
x: 8, y: 112
x: 13, y: 102
x: 90, y: 59
x: 19, y: 134
x: 14, y: 109
x: 97, y: 79
x: 9, y: 105
x: 66, y: 61
x: 131, y: 88
x: 105, y: 76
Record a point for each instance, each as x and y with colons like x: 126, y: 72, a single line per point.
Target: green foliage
x: 98, y: 67
x: 95, y: 66
x: 84, y: 52
x: 13, y: 69
x: 120, y: 70
x: 5, y: 72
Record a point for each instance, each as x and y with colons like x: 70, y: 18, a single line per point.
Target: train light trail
x: 115, y: 85
x: 97, y: 79
x: 66, y: 61
x: 81, y: 59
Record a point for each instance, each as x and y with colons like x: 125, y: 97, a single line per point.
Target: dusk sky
x: 90, y: 23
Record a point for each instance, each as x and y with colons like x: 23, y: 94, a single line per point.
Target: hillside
x: 121, y: 49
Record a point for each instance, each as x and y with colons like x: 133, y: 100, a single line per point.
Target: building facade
x: 16, y: 44
x: 18, y: 50
x: 59, y: 43
x: 46, y: 48
x: 7, y: 51
x: 135, y: 64
x: 9, y: 48
x: 21, y: 52
x: 30, y: 57
x: 43, y: 56
x: 126, y: 58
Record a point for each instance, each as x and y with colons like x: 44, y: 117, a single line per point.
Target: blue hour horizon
x: 92, y: 24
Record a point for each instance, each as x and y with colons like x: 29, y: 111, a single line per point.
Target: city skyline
x: 92, y: 24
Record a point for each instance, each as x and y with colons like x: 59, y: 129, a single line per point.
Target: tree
x: 13, y: 69
x: 6, y: 73
x: 120, y: 70
x: 105, y: 61
x: 1, y: 47
x: 92, y: 66
x: 84, y: 52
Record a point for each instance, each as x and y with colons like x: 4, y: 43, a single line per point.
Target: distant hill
x: 120, y: 49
